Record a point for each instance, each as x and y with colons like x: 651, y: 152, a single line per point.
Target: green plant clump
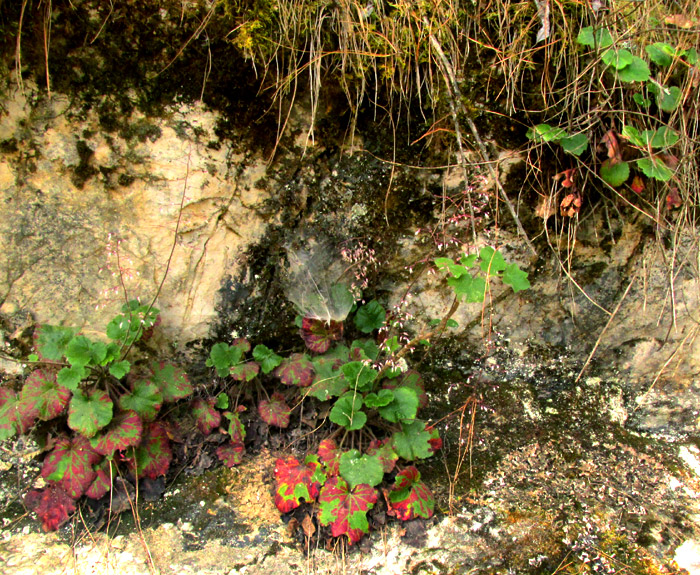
x: 108, y: 424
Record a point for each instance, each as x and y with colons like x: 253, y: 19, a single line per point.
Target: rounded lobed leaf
x: 415, y: 440
x: 329, y: 454
x: 346, y: 412
x: 153, y: 456
x: 297, y: 481
x: 345, y: 509
x: 123, y: 432
x: 403, y: 406
x: 370, y: 316
x: 88, y: 413
x: 171, y: 381
x: 318, y: 335
x: 145, y: 399
x: 70, y: 465
x: 410, y: 497
x: 105, y: 473
x: 357, y: 469
x: 206, y: 416
x: 244, y: 371
x: 275, y: 411
x: 231, y: 454
x: 42, y: 395
x: 296, y: 370
x: 385, y: 452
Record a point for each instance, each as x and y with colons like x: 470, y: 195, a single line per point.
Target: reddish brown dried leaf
x: 52, y: 505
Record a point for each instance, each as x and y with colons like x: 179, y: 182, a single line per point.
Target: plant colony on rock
x: 108, y: 422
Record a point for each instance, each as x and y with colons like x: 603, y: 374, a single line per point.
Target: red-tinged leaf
x: 329, y: 454
x: 296, y: 370
x: 145, y: 399
x: 673, y: 200
x: 413, y: 380
x: 206, y: 414
x: 319, y: 334
x: 8, y: 413
x: 297, y: 481
x: 70, y: 465
x: 245, y: 371
x: 105, y: 474
x: 235, y: 428
x: 171, y: 381
x: 275, y: 411
x: 124, y: 431
x: 345, y: 509
x: 241, y: 343
x: 42, y: 395
x: 386, y: 453
x: 410, y: 497
x: 154, y: 455
x: 231, y: 454
x: 88, y: 413
x: 53, y: 506
x: 435, y: 440
x: 637, y: 185
x: 613, y: 147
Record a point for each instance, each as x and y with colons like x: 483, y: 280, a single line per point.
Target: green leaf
x: 664, y: 138
x: 119, y: 369
x: 456, y: 270
x: 641, y: 100
x: 8, y: 413
x: 346, y: 412
x: 668, y: 99
x: 404, y: 406
x: 379, y: 399
x: 70, y: 377
x: 474, y: 289
x: 87, y: 414
x: 618, y: 59
x: 222, y: 401
x: 492, y: 261
x: 632, y: 134
x: 637, y: 71
x: 53, y: 339
x: 600, y: 38
x: 222, y: 357
x: 267, y: 358
x: 296, y: 370
x: 575, y: 145
x: 358, y: 375
x: 359, y: 469
x: 515, y: 278
x: 655, y: 168
x: 691, y: 56
x: 546, y: 133
x: 370, y: 316
x: 614, y: 174
x: 145, y: 399
x: 414, y: 441
x: 661, y: 53
x: 368, y: 349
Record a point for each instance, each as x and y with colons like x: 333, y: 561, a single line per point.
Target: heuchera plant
x: 374, y: 408
x: 103, y: 419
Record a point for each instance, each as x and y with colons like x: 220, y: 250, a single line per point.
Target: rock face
x: 90, y: 218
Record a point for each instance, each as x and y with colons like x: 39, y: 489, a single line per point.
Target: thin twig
x: 607, y: 325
